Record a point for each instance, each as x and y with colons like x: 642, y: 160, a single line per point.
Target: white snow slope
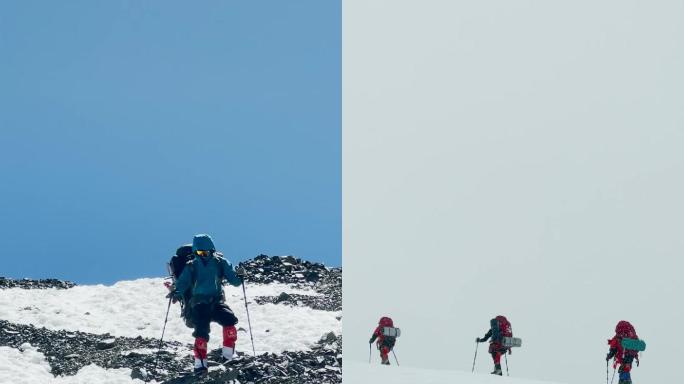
x: 137, y: 308
x: 356, y: 372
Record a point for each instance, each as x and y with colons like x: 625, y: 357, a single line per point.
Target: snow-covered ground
x: 28, y: 366
x: 361, y: 373
x: 137, y: 308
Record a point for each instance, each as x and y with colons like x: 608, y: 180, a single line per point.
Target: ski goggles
x: 202, y: 253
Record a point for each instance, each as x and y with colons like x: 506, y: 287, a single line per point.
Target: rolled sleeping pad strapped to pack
x: 510, y: 342
x: 391, y: 331
x: 634, y: 344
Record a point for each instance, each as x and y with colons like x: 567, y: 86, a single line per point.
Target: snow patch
x: 28, y: 366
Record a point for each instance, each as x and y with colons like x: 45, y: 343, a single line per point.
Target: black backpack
x: 178, y: 261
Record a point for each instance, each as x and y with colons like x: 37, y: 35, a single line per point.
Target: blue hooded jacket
x: 204, y: 275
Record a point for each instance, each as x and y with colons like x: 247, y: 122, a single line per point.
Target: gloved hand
x: 174, y: 296
x: 241, y: 273
x: 608, y: 356
x: 510, y: 351
x: 370, y: 341
x: 478, y: 340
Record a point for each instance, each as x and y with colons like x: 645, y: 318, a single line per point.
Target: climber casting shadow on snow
x: 199, y: 288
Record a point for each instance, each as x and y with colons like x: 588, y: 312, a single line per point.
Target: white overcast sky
x: 523, y: 158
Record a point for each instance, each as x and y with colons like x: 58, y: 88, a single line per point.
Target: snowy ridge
x: 117, y: 327
x: 356, y: 372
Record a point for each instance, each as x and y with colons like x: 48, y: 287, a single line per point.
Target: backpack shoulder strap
x: 193, y: 271
x: 218, y: 256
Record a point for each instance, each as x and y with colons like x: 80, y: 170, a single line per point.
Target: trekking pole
x: 477, y: 345
x: 249, y: 322
x: 613, y: 379
x: 161, y: 339
x: 395, y: 357
x: 370, y: 352
x: 607, y: 376
x: 506, y: 358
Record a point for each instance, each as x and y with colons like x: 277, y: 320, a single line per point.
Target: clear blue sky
x: 128, y: 126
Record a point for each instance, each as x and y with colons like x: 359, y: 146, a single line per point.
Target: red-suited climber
x: 203, y: 276
x: 500, y: 327
x: 384, y: 342
x: 623, y: 357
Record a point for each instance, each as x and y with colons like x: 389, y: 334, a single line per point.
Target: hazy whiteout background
x: 520, y: 158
